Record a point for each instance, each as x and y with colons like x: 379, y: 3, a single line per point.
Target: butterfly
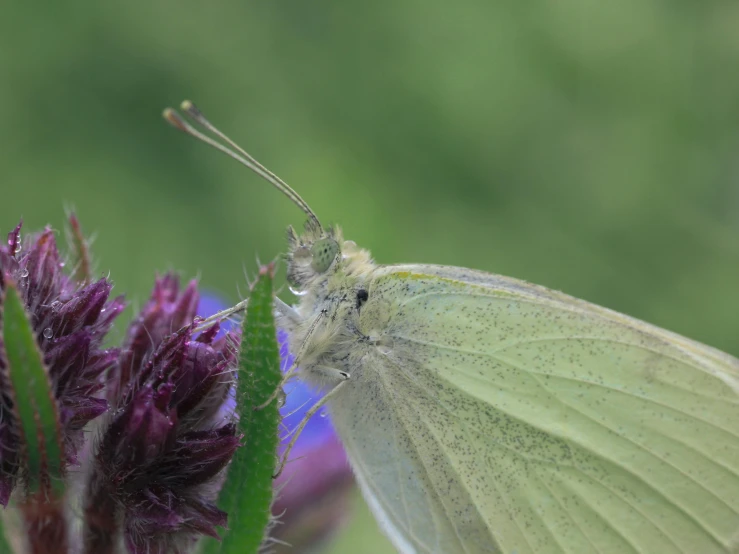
x: 484, y: 414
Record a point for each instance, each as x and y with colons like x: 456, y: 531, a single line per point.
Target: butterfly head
x: 312, y: 255
x: 319, y: 254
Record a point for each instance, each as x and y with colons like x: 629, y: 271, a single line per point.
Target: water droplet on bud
x: 281, y: 398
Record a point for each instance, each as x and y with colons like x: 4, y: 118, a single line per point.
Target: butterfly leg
x: 228, y: 312
x: 294, y: 367
x: 299, y: 429
x: 283, y: 308
x: 287, y: 311
x: 331, y: 373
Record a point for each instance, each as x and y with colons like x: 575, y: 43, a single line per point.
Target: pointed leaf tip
x: 268, y: 269
x: 248, y: 492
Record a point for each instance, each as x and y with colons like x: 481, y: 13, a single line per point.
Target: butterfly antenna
x: 232, y: 150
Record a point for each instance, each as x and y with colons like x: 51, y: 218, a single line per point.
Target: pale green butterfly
x: 483, y: 414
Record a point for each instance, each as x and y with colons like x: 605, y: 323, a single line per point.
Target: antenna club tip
x: 174, y: 119
x: 192, y: 110
x: 224, y: 144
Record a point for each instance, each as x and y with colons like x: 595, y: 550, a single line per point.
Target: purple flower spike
x: 166, y: 311
x: 159, y: 464
x: 70, y: 321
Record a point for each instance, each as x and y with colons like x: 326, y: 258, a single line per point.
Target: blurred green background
x: 588, y: 146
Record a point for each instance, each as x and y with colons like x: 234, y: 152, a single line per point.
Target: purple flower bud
x: 159, y: 463
x: 70, y: 321
x: 166, y: 311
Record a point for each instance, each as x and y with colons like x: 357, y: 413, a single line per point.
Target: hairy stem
x: 46, y: 525
x: 100, y: 532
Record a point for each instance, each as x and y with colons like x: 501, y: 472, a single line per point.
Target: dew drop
x: 102, y: 310
x: 348, y: 248
x: 18, y: 247
x: 24, y: 273
x: 323, y: 413
x: 297, y: 292
x: 48, y: 333
x: 281, y: 398
x: 55, y: 305
x: 302, y: 256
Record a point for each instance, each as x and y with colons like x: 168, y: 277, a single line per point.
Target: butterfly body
x: 484, y: 414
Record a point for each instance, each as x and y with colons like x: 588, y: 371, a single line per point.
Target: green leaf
x: 34, y: 405
x: 247, y: 493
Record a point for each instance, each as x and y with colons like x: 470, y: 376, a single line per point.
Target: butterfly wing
x: 505, y: 417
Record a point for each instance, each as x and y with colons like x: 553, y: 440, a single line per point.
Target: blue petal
x: 299, y: 398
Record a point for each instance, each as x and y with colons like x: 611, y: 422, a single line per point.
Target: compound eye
x: 324, y: 252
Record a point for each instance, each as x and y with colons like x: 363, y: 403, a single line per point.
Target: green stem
x: 247, y: 493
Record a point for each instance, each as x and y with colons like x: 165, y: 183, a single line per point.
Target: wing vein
x: 365, y: 476
x: 543, y: 482
x: 466, y: 430
x: 577, y: 380
x: 632, y: 505
x: 432, y: 394
x: 411, y: 532
x: 392, y: 397
x: 648, y: 450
